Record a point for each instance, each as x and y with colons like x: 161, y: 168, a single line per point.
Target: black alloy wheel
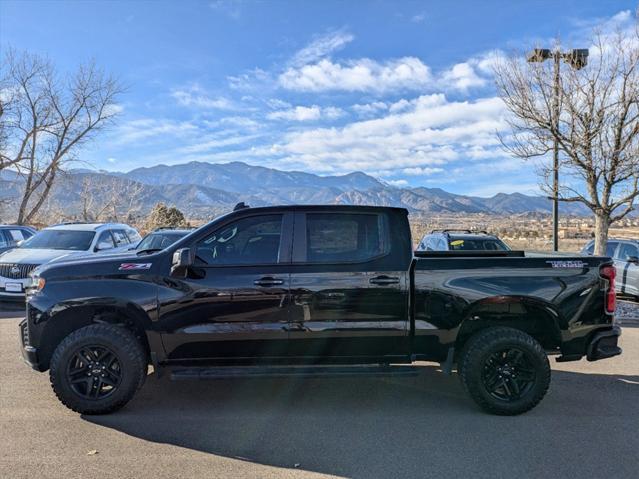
x: 505, y: 370
x: 94, y: 372
x: 508, y: 374
x: 97, y: 369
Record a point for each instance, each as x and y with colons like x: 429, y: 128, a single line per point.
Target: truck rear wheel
x: 505, y: 371
x: 97, y: 369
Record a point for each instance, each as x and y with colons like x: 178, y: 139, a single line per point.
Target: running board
x: 226, y: 372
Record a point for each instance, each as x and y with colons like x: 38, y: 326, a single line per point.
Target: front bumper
x: 604, y: 344
x: 20, y: 295
x: 29, y: 353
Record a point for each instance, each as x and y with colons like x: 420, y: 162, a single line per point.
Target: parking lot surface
x: 396, y: 427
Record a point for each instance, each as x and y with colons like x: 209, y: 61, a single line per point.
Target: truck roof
x: 277, y: 208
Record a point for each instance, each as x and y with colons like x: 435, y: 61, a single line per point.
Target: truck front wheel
x: 505, y: 371
x: 97, y: 369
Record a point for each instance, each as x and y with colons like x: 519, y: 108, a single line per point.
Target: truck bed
x: 451, y: 291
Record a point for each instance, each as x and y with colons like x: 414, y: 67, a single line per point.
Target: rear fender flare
x: 534, y: 316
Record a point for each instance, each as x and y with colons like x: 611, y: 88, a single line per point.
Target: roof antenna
x: 240, y: 206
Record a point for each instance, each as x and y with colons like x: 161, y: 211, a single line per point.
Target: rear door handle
x: 268, y: 281
x: 384, y: 280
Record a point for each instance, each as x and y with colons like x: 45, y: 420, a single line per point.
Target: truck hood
x: 37, y: 256
x: 88, y: 257
x: 116, y: 257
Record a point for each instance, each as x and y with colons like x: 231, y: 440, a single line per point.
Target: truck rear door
x: 349, y: 285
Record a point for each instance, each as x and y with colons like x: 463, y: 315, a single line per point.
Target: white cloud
x: 217, y: 143
x: 240, y: 121
x: 486, y: 62
x: 397, y: 183
x: 369, y: 109
x: 196, y: 97
x: 432, y: 132
x: 419, y: 18
x: 462, y: 76
x: 113, y: 109
x: 321, y: 47
x: 306, y: 113
x: 145, y: 128
x: 278, y: 104
x: 112, y: 160
x: 420, y: 171
x: 249, y: 80
x: 407, y: 73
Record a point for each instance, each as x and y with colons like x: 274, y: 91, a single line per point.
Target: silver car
x: 60, y: 242
x: 625, y: 253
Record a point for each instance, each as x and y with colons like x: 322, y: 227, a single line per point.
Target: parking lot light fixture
x: 577, y: 59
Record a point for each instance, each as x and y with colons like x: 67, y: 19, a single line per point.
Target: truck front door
x: 349, y: 290
x: 234, y: 302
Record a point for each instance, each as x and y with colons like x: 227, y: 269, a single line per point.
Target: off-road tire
x: 131, y: 359
x: 475, y: 359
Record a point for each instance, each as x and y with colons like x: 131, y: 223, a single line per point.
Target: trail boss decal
x: 132, y: 266
x: 567, y: 264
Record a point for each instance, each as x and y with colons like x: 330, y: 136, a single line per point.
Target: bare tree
x: 597, y: 128
x: 45, y: 118
x: 110, y: 199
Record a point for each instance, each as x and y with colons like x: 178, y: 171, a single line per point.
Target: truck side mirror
x: 182, y: 260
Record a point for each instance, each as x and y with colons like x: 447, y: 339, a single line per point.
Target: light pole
x: 577, y: 59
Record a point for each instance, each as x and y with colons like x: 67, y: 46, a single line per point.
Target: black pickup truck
x: 314, y: 290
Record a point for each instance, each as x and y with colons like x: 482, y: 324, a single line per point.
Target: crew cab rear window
x: 248, y: 241
x: 332, y: 237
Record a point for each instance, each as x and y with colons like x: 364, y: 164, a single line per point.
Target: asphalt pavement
x: 393, y: 427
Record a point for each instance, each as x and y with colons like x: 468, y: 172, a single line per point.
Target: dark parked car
x: 161, y: 238
x: 11, y: 235
x: 315, y: 290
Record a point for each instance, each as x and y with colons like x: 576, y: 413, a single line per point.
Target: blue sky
x: 399, y: 90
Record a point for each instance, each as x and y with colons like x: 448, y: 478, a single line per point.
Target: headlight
x: 37, y: 283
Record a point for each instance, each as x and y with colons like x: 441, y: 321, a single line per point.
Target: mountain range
x: 202, y: 190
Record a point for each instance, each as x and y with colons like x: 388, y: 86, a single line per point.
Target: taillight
x: 609, y: 273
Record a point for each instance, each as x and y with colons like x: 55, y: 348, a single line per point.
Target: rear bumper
x: 604, y: 344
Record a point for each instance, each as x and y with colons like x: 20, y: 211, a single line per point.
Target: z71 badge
x: 567, y: 264
x: 132, y: 266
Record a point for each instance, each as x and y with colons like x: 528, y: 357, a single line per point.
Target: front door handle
x: 384, y: 280
x: 268, y: 281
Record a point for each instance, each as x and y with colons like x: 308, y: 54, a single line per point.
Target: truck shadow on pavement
x: 391, y: 427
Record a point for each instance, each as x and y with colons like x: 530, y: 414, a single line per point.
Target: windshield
x: 478, y: 244
x: 60, y: 239
x: 159, y: 240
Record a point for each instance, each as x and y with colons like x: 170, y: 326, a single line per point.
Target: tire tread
x: 470, y: 358
x: 129, y: 344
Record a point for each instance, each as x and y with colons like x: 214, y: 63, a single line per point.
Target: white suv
x: 60, y: 241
